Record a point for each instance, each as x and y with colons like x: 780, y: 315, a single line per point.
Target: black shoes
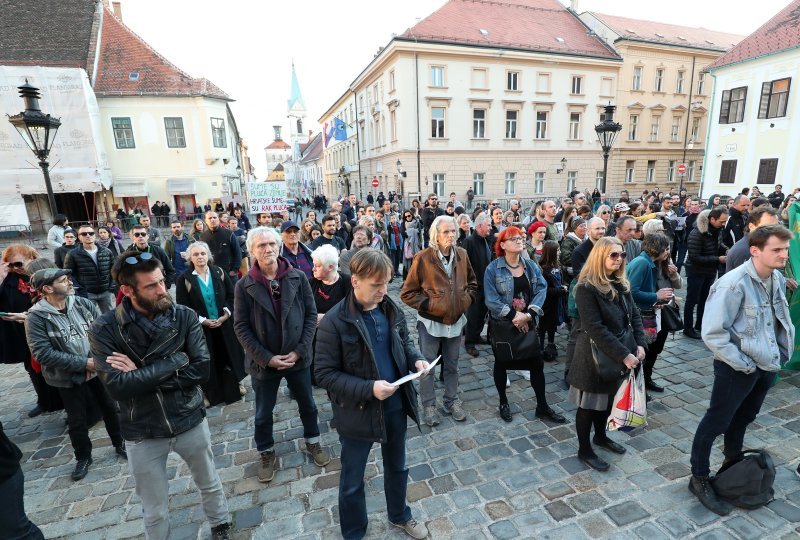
x: 550, y: 353
x: 653, y: 387
x: 505, y: 412
x: 81, y: 469
x: 36, y: 411
x: 120, y: 450
x: 691, y: 333
x: 221, y: 532
x: 594, y: 462
x: 472, y: 351
x: 705, y: 493
x: 550, y: 414
x: 609, y: 445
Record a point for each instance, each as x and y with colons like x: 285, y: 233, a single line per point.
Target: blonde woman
x: 604, y: 213
x: 610, y: 319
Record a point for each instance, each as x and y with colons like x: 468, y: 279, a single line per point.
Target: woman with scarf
x: 395, y: 243
x: 410, y: 228
x: 106, y: 239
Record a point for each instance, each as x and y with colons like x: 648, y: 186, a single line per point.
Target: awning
x: 130, y: 187
x: 181, y: 186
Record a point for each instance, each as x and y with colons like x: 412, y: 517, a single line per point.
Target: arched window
x: 299, y: 126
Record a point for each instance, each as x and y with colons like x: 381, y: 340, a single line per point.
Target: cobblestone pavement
x: 480, y: 479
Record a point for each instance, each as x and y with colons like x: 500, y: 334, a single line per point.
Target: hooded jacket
x: 60, y: 341
x: 704, y: 247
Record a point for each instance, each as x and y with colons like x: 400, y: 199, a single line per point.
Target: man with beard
x: 224, y: 245
x: 152, y: 358
x: 429, y: 213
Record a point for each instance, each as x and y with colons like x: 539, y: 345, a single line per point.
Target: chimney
x: 117, y: 7
x: 574, y: 5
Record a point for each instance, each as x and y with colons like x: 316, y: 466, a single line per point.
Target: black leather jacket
x: 162, y: 397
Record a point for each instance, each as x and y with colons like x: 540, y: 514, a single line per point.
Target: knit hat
x: 577, y: 222
x: 536, y: 225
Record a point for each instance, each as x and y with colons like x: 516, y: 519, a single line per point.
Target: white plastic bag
x: 629, y: 410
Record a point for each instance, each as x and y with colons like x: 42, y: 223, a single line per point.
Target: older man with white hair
x: 441, y: 286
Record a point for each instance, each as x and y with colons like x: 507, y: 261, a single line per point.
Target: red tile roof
x: 531, y: 25
x: 277, y: 145
x: 780, y: 33
x: 130, y: 67
x: 669, y: 34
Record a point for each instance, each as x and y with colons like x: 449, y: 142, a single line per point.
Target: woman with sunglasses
x: 515, y: 290
x: 603, y: 298
x: 604, y: 213
x: 16, y: 297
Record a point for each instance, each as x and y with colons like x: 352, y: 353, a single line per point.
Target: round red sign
x: 375, y: 182
x: 682, y: 168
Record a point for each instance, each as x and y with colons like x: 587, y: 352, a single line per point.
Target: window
x: 477, y: 183
x: 511, y: 181
x: 731, y: 110
x: 671, y: 171
x: 478, y: 78
x: 695, y: 128
x: 393, y: 126
x: 679, y: 84
x: 175, y: 135
x: 123, y: 132
x: 690, y: 171
x: 437, y: 122
x: 606, y: 85
x: 572, y: 180
x: 541, y: 124
x: 512, y: 80
x: 727, y: 172
x: 774, y: 96
x: 218, y: 133
x: 675, y: 131
x: 438, y: 184
x: 655, y: 127
x: 543, y: 83
x: 391, y: 81
x: 577, y: 85
x: 598, y: 180
x: 633, y: 127
x: 637, y: 78
x: 651, y: 171
x: 511, y: 124
x: 767, y: 169
x: 629, y: 171
x: 701, y: 83
x: 659, y: 80
x: 574, y: 126
x: 437, y: 76
x: 478, y: 123
x: 538, y: 182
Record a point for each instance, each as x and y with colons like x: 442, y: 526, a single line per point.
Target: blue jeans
x: 13, y: 521
x: 736, y: 399
x: 352, y: 504
x: 449, y: 348
x: 299, y: 382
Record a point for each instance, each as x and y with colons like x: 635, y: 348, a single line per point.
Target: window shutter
x: 772, y: 170
x: 763, y: 107
x: 762, y: 168
x: 727, y: 173
x: 725, y: 107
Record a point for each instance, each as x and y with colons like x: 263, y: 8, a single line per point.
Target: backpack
x: 747, y: 480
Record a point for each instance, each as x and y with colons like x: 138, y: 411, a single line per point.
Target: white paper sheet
x: 417, y: 375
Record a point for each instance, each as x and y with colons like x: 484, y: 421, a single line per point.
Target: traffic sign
x: 375, y: 182
x: 682, y: 168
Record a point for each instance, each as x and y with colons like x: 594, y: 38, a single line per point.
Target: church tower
x: 296, y: 112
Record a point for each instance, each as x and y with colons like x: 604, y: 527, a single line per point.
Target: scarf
x: 162, y: 321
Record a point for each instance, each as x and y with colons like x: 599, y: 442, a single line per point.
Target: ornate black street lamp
x: 607, y: 131
x: 39, y: 130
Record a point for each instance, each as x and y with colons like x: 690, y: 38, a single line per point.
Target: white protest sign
x: 267, y: 196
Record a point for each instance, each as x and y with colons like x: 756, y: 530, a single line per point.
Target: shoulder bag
x: 607, y: 368
x: 512, y: 346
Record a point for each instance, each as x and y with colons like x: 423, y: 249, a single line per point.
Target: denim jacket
x: 737, y: 323
x: 498, y: 287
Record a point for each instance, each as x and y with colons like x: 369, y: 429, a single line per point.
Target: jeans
x: 299, y: 383
x: 697, y: 288
x: 476, y: 319
x: 736, y: 399
x: 147, y: 460
x: 105, y: 301
x: 450, y: 348
x: 352, y: 503
x: 76, y: 404
x: 13, y: 521
x: 679, y: 250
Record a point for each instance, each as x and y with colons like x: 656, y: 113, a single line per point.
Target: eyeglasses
x: 139, y: 234
x: 86, y: 233
x: 617, y: 254
x: 16, y: 264
x: 515, y: 239
x: 275, y: 290
x: 134, y: 260
x: 604, y: 212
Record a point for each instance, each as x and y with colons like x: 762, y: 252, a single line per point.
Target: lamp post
x: 39, y: 131
x: 607, y: 131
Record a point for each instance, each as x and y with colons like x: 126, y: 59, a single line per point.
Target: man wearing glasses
x: 91, y: 267
x: 429, y: 213
x: 140, y: 237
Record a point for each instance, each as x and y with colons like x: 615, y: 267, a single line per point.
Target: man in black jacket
x: 480, y: 249
x: 705, y: 254
x: 140, y: 243
x: 428, y: 214
x: 151, y: 356
x: 737, y: 222
x: 363, y: 347
x: 777, y: 197
x: 90, y: 265
x: 224, y: 246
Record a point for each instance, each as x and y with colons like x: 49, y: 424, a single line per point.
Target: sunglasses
x: 87, y: 233
x: 16, y: 264
x: 146, y: 256
x: 275, y: 290
x: 139, y: 234
x: 604, y: 212
x: 617, y: 254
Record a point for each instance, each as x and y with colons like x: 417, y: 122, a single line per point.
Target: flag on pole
x: 339, y: 130
x: 327, y: 133
x: 792, y: 272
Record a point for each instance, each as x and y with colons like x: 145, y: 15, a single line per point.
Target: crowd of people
x: 307, y: 301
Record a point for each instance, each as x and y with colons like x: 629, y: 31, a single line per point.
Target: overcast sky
x: 246, y: 47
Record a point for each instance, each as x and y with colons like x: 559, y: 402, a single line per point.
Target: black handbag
x: 512, y: 346
x: 607, y: 368
x: 671, y: 319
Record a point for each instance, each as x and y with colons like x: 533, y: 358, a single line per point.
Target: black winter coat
x: 602, y: 319
x: 224, y: 247
x: 735, y: 228
x: 704, y: 248
x: 94, y: 278
x: 345, y: 366
x: 61, y: 253
x: 475, y: 246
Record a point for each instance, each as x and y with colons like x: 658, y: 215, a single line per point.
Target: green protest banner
x: 792, y: 272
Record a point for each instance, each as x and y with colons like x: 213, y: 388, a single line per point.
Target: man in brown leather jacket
x: 441, y: 286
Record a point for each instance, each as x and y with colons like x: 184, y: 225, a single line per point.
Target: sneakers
x: 505, y: 412
x: 242, y: 390
x: 221, y: 532
x: 413, y: 528
x: 431, y: 418
x: 81, y: 469
x: 321, y: 457
x: 705, y: 493
x: 266, y: 469
x: 456, y: 411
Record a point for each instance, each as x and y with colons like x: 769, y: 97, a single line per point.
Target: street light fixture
x: 607, y: 131
x: 39, y: 131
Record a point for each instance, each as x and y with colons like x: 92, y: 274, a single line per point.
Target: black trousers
x: 476, y: 318
x: 77, y: 400
x: 14, y: 523
x: 697, y: 289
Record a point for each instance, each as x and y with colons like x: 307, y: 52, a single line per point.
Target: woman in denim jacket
x: 515, y: 290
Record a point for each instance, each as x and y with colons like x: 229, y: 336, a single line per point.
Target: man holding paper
x: 362, y: 348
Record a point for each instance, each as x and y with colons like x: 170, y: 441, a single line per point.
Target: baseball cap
x: 286, y: 225
x: 621, y: 207
x: 47, y: 276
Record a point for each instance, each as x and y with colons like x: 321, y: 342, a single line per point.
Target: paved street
x: 480, y: 479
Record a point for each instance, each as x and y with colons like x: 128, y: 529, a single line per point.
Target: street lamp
x: 607, y: 131
x: 39, y: 131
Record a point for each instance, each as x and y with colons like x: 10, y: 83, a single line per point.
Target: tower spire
x: 296, y: 98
